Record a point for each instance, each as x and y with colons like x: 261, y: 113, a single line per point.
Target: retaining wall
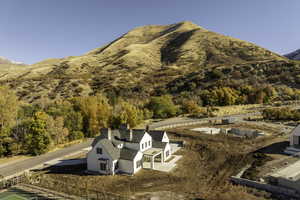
x: 264, y: 186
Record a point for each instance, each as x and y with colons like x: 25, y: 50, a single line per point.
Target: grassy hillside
x: 150, y: 60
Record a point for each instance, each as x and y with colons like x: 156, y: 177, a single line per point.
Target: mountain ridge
x: 295, y: 55
x: 144, y: 60
x: 4, y: 60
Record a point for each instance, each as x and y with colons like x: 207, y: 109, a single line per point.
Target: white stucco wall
x: 167, y: 148
x: 93, y: 162
x: 126, y: 166
x: 130, y: 167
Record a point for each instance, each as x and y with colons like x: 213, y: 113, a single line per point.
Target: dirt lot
x: 203, y: 172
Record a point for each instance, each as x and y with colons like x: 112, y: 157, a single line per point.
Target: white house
x: 123, y: 150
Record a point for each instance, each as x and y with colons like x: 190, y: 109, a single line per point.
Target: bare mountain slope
x: 139, y: 62
x: 294, y: 55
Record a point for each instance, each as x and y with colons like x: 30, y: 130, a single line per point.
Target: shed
x: 229, y: 120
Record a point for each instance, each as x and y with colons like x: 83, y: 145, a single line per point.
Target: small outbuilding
x: 229, y: 120
x: 245, y: 132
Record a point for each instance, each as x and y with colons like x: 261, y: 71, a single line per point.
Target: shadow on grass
x: 79, y: 169
x: 275, y: 148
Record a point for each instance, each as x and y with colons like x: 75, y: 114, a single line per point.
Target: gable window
x: 99, y: 150
x: 103, y: 166
x: 143, y: 146
x: 149, y: 143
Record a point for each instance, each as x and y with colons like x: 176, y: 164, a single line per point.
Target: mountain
x: 294, y: 55
x: 4, y: 60
x: 148, y: 60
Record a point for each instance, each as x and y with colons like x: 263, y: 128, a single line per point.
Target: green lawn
x: 13, y: 197
x: 16, y: 194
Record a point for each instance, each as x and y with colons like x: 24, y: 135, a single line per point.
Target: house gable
x: 165, y: 138
x: 145, y: 142
x: 294, y: 137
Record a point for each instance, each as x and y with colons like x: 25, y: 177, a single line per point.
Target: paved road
x: 8, y: 170
x: 178, y: 121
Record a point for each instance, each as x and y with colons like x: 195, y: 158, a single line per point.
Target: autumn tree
x: 37, y: 139
x: 126, y: 113
x: 96, y: 113
x: 8, y: 114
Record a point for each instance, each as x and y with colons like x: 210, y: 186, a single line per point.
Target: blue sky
x: 33, y: 30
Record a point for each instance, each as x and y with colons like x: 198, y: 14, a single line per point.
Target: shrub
x: 163, y: 107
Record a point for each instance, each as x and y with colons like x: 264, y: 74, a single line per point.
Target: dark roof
x: 157, y: 144
x: 96, y: 140
x: 156, y: 135
x: 110, y: 148
x: 128, y: 154
x: 137, y: 135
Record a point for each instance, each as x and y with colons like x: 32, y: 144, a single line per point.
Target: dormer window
x: 99, y: 150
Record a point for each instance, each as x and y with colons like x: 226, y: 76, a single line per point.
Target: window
x: 138, y: 163
x: 145, y: 144
x: 167, y: 153
x: 103, y: 166
x: 142, y: 146
x: 149, y: 143
x: 99, y: 150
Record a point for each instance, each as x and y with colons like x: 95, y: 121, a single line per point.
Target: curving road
x: 17, y: 167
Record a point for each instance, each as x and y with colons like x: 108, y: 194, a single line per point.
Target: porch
x: 151, y: 155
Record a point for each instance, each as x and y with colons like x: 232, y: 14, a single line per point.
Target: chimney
x: 124, y: 127
x: 106, y: 133
x: 130, y: 135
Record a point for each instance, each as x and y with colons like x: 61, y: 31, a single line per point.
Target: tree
x: 126, y: 113
x: 37, y: 139
x: 96, y: 113
x: 162, y: 106
x: 55, y: 127
x: 9, y: 105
